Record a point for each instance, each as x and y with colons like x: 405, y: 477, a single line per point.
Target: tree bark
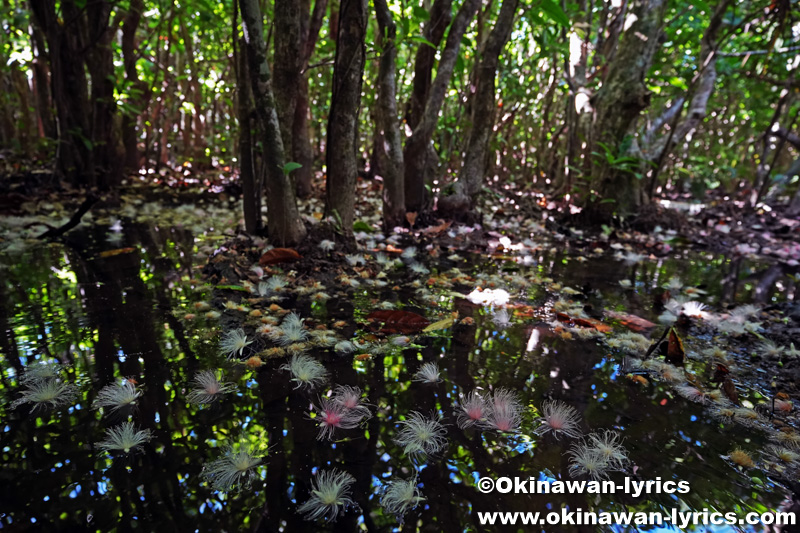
x: 251, y: 194
x: 417, y: 153
x: 618, y: 103
x: 138, y: 87
x: 41, y: 75
x: 285, y: 226
x: 287, y: 64
x: 483, y: 115
x: 440, y: 16
x: 69, y: 88
x: 79, y: 39
x: 302, y: 151
x: 348, y: 71
x: 394, y: 202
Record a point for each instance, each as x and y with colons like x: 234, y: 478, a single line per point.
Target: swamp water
x: 121, y: 314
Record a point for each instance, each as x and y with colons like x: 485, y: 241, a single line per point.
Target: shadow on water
x: 108, y: 316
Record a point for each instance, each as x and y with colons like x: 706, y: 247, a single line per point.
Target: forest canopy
x: 602, y: 107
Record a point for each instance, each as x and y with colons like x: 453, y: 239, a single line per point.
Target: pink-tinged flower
x: 559, y: 419
x: 506, y: 411
x: 350, y: 398
x: 473, y: 410
x: 332, y: 414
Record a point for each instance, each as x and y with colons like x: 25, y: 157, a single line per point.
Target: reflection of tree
x: 8, y: 342
x: 120, y: 305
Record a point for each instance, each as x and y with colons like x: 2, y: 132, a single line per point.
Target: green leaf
x: 554, y: 11
x: 441, y: 324
x: 360, y: 225
x: 678, y: 82
x: 290, y: 166
x: 422, y: 40
x: 231, y: 288
x: 421, y: 14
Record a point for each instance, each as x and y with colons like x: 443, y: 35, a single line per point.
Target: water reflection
x: 110, y: 316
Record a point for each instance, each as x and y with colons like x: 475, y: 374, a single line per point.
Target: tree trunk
x: 394, y: 202
x: 302, y: 151
x: 129, y: 120
x: 79, y: 39
x: 100, y: 64
x: 440, y: 16
x: 617, y: 104
x: 69, y: 88
x: 287, y: 64
x: 41, y: 75
x: 251, y: 194
x: 483, y: 115
x: 285, y: 226
x: 348, y: 71
x: 417, y: 152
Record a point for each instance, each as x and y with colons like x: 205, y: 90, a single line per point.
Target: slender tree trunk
x: 394, y: 202
x: 483, y: 115
x: 618, y: 103
x: 193, y: 123
x: 251, y: 195
x: 440, y: 16
x: 301, y: 141
x: 341, y: 157
x: 41, y: 75
x: 285, y: 226
x: 416, y: 153
x: 129, y: 120
x: 25, y: 127
x: 287, y: 64
x: 100, y: 63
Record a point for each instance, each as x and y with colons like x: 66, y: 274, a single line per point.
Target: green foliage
x: 290, y: 166
x: 183, y: 94
x: 360, y: 225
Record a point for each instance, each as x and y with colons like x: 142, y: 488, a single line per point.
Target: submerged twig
x: 87, y: 204
x: 658, y: 343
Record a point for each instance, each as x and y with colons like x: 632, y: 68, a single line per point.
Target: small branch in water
x: 87, y: 204
x: 658, y: 343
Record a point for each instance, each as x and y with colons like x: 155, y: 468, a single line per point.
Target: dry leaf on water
x: 279, y: 255
x: 584, y: 322
x: 632, y: 322
x: 675, y: 351
x: 730, y: 391
x: 399, y: 321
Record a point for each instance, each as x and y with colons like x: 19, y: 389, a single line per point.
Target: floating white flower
x: 116, y: 396
x: 234, y: 342
x: 428, y: 373
x: 125, y: 438
x: 421, y: 435
x: 48, y: 393
x: 235, y: 469
x: 207, y: 388
x: 330, y: 495
x: 306, y: 371
x: 401, y: 496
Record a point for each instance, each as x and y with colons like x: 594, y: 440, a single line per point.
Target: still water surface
x: 106, y: 317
